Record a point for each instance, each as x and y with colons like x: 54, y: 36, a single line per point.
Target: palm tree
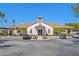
x: 75, y: 8
x: 5, y: 20
x: 13, y: 22
x: 1, y: 16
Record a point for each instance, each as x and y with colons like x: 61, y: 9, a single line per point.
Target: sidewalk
x: 11, y: 37
x: 20, y: 37
x: 57, y: 37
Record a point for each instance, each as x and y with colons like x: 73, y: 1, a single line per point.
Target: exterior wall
x: 34, y: 30
x: 15, y: 32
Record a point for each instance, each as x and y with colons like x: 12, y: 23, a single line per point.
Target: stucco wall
x: 34, y: 30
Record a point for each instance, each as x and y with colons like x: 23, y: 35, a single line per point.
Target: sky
x: 59, y: 13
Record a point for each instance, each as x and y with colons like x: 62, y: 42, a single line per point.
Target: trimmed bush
x: 44, y: 37
x: 34, y: 37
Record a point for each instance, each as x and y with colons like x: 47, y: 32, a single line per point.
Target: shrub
x: 44, y: 37
x: 34, y: 37
x: 3, y: 32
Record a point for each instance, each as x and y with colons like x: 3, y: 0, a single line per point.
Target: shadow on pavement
x: 3, y: 41
x: 4, y: 46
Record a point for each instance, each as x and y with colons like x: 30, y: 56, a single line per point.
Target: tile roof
x: 50, y: 24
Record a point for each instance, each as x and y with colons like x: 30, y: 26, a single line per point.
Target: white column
x: 66, y: 30
x: 71, y: 31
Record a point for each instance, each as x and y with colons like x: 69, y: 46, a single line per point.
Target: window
x: 18, y: 31
x: 48, y: 30
x: 30, y: 30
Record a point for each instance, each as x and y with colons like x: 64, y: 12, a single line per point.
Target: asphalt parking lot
x: 55, y: 47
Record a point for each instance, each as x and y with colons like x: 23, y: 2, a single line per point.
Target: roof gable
x: 49, y: 24
x: 38, y: 22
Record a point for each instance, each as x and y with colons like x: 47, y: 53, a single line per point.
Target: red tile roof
x: 50, y: 24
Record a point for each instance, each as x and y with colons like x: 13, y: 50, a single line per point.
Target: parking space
x: 54, y: 47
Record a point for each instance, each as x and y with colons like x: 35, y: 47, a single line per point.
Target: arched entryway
x: 41, y: 30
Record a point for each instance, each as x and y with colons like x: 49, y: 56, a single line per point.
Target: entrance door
x: 40, y: 32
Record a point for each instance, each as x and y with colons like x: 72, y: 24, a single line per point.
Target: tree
x: 5, y: 20
x: 1, y: 16
x: 13, y: 22
x: 75, y: 25
x: 75, y: 8
x: 58, y: 30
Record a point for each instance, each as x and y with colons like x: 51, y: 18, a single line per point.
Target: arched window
x: 30, y: 30
x: 48, y: 30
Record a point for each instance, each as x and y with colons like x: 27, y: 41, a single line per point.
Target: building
x: 39, y: 27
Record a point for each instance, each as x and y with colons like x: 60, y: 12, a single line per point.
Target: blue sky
x: 59, y: 13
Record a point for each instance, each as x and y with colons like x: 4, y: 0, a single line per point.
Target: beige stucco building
x: 40, y: 27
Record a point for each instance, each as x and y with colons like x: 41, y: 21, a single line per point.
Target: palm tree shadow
x: 3, y: 41
x: 5, y: 46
